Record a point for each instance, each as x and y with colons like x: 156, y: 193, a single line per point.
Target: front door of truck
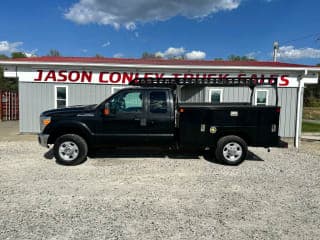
x: 126, y: 122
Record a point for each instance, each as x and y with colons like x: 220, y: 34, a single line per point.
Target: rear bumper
x: 43, y: 139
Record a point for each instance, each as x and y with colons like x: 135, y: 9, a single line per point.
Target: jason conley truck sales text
x: 126, y: 77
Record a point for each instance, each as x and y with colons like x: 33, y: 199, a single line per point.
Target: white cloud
x: 106, y: 44
x: 118, y: 55
x: 31, y: 53
x: 195, y: 55
x: 6, y: 46
x: 10, y: 47
x: 128, y: 13
x: 290, y: 52
x: 172, y: 52
x: 253, y: 55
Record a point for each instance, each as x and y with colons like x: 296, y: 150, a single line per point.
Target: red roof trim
x: 155, y: 62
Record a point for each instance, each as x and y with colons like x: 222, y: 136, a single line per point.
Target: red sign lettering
x: 126, y: 77
x: 51, y: 75
x: 115, y: 77
x: 86, y: 76
x: 39, y: 77
x: 63, y: 76
x: 284, y: 81
x: 101, y: 79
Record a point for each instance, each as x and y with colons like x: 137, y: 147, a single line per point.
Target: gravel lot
x: 277, y: 197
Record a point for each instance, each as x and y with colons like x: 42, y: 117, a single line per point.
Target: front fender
x: 67, y: 127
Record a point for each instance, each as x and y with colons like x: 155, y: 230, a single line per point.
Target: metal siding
x: 34, y: 99
x: 234, y: 94
x: 38, y: 97
x: 192, y: 94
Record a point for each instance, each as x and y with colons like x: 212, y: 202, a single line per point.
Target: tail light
x: 278, y: 109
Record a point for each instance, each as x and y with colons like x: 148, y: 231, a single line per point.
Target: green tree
x: 180, y: 57
x: 54, y: 53
x: 99, y: 56
x: 18, y: 55
x: 147, y: 55
x: 8, y: 83
x: 3, y: 56
x: 312, y: 94
x: 233, y: 57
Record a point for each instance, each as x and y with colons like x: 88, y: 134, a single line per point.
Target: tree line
x: 9, y: 84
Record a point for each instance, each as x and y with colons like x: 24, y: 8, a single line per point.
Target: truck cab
x: 136, y: 116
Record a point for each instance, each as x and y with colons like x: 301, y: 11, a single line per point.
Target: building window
x: 262, y: 97
x: 61, y: 96
x: 215, y: 95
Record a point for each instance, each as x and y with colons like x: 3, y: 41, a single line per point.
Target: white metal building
x: 53, y: 82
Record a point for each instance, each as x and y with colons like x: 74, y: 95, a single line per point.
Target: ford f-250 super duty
x: 152, y: 116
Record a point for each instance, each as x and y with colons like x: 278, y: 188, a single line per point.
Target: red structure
x: 9, y: 105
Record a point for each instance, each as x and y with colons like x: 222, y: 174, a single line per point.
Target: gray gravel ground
x: 159, y: 198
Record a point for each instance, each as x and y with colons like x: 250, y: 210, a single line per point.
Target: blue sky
x: 202, y: 29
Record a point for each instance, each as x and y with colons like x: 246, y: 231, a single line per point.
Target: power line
x: 303, y: 37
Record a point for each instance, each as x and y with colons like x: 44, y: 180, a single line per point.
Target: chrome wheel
x: 232, y: 151
x: 68, y: 151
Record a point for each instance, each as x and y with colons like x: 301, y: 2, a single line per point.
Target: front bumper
x: 43, y: 139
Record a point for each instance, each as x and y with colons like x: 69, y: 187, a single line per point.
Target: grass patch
x: 310, y: 127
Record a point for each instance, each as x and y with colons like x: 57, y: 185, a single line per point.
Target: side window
x: 215, y: 95
x: 61, y: 96
x: 158, y: 102
x: 126, y: 102
x: 262, y: 97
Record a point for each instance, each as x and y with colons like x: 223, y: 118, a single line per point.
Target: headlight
x: 44, y: 121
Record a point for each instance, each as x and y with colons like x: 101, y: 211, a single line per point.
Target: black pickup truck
x: 152, y: 116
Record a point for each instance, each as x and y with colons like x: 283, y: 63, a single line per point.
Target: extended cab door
x: 125, y: 125
x: 160, y: 117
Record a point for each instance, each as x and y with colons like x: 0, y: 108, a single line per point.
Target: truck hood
x: 72, y: 110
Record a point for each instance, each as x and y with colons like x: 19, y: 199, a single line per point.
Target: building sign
x: 123, y: 78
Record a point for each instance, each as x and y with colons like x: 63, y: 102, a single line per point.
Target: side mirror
x: 106, y: 110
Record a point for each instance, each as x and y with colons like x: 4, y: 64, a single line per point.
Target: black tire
x: 231, y: 150
x: 70, y: 149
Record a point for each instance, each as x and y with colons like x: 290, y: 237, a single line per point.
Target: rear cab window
x: 158, y: 102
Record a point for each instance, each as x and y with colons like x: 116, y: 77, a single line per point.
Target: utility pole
x: 275, y: 50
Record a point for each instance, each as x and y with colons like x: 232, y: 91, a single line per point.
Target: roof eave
x: 160, y: 66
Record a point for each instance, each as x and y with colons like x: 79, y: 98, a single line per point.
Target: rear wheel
x: 231, y: 150
x: 70, y: 149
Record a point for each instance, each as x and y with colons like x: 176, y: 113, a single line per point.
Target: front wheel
x: 70, y: 149
x: 231, y: 150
